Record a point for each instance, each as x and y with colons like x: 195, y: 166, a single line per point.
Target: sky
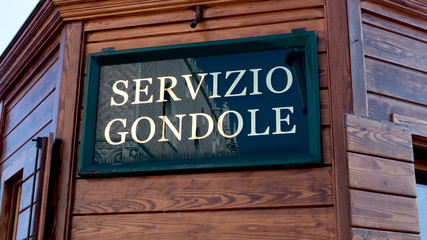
x: 13, y: 14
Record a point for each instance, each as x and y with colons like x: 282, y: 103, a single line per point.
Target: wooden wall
x: 389, y: 61
x: 381, y: 180
x: 29, y: 110
x: 395, y: 48
x: 39, y: 78
x: 275, y: 204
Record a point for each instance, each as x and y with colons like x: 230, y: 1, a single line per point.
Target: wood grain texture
x: 357, y: 58
x: 23, y: 159
x: 378, y: 138
x: 65, y: 123
x: 206, y: 25
x: 233, y: 190
x: 322, y: 62
x: 326, y: 145
x: 416, y: 125
x: 214, y: 35
x: 73, y: 10
x: 219, y: 11
x: 394, y: 48
x: 381, y: 175
x: 324, y: 107
x: 383, y: 211
x: 394, y: 14
x: 341, y: 102
x: 303, y: 223
x: 44, y: 183
x: 370, y: 234
x: 414, y: 7
x: 37, y: 120
x: 382, y: 108
x: 38, y: 72
x: 395, y: 81
x: 2, y: 117
x: 394, y: 26
x: 41, y: 89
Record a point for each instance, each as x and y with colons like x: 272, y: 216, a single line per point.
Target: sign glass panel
x: 187, y: 110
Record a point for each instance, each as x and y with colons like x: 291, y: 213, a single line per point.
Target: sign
x: 233, y: 103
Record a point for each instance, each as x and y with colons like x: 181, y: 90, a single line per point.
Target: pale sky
x: 13, y: 14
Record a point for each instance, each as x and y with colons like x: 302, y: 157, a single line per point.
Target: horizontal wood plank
x: 378, y: 138
x: 94, y: 10
x: 394, y: 48
x: 37, y: 120
x: 41, y: 89
x: 31, y: 78
x: 326, y: 145
x: 418, y: 126
x: 214, y: 35
x: 395, y: 81
x: 278, y: 188
x: 324, y: 107
x: 396, y: 15
x: 206, y: 24
x: 303, y: 223
x: 23, y: 158
x: 322, y: 59
x: 383, y: 211
x: 228, y: 10
x: 382, y: 108
x: 396, y: 27
x: 369, y: 234
x: 381, y: 175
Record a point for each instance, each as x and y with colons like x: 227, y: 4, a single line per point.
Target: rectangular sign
x: 233, y: 103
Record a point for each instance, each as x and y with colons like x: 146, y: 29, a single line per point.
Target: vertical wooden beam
x: 44, y: 183
x: 357, y: 57
x: 67, y: 90
x: 341, y: 100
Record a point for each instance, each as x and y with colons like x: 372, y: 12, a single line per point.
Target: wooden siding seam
x: 377, y: 8
x: 29, y: 113
x: 396, y: 212
x: 394, y: 97
x: 380, y: 156
x: 78, y: 11
x: 409, y: 6
x: 377, y: 25
x: 387, y: 230
x: 371, y: 56
x: 47, y: 57
x: 189, y: 30
x: 36, y: 74
x: 28, y: 140
x: 246, y: 209
x: 382, y: 192
x: 391, y: 96
x: 255, y: 19
x: 360, y: 99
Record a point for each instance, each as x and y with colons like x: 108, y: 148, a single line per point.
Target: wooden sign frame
x: 296, y: 39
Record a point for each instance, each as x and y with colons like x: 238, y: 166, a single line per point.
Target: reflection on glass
x: 422, y: 209
x: 232, y: 105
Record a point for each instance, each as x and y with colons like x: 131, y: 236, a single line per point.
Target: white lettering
x: 234, y: 84
x: 269, y: 83
x: 119, y: 92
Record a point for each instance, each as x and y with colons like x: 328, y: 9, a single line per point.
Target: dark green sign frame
x: 296, y: 39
